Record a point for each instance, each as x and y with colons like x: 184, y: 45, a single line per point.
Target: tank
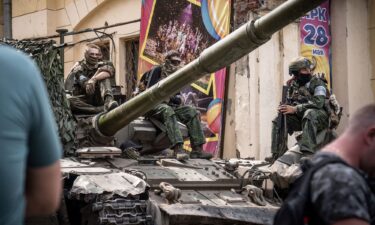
x: 103, y: 187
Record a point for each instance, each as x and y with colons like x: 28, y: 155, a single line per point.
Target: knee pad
x: 310, y: 114
x: 168, y: 111
x: 192, y: 111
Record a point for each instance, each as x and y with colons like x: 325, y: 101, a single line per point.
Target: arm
x: 106, y: 70
x: 43, y: 178
x: 100, y: 76
x: 43, y: 188
x: 317, y: 101
x: 318, y: 91
x: 103, y: 72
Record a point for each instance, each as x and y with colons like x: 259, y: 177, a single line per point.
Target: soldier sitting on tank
x: 305, y: 110
x: 171, y: 111
x: 92, y: 91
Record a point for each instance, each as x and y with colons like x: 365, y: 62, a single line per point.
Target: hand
x: 287, y: 109
x: 90, y: 86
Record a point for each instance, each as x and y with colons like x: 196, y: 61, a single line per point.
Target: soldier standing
x: 169, y: 112
x: 305, y: 110
x: 92, y: 92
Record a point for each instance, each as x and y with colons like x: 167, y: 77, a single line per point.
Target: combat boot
x: 109, y: 103
x: 198, y: 153
x: 271, y: 159
x: 180, y: 153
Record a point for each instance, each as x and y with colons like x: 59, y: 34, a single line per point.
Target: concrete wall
x: 258, y: 87
x: 371, y: 28
x: 29, y: 19
x: 351, y: 64
x: 40, y: 18
x: 1, y: 20
x: 255, y: 87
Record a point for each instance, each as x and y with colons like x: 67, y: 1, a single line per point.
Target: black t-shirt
x: 340, y: 192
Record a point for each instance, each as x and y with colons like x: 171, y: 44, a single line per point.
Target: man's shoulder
x: 339, y: 191
x: 331, y: 172
x: 317, y: 81
x: 11, y: 58
x: 105, y: 63
x: 155, y: 69
x: 78, y: 66
x: 338, y: 173
x: 338, y: 177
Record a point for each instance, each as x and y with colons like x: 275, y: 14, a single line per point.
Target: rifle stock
x: 282, y: 131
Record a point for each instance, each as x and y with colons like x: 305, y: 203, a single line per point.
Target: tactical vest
x: 302, y: 94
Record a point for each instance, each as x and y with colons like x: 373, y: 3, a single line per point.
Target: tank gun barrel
x: 223, y: 53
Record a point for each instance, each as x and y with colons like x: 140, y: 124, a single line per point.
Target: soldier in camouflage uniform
x: 171, y: 111
x: 305, y: 110
x: 92, y: 92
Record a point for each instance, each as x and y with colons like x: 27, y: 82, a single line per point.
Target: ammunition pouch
x: 334, y: 120
x: 302, y: 99
x: 300, y: 96
x: 77, y: 90
x: 334, y: 112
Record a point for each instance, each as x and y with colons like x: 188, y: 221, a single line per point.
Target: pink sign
x: 316, y: 39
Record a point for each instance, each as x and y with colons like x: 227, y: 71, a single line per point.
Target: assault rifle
x: 281, y: 128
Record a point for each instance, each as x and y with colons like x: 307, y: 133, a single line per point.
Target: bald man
x: 343, y: 193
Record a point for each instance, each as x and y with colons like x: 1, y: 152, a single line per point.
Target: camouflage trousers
x: 91, y: 104
x: 187, y: 115
x: 309, y: 122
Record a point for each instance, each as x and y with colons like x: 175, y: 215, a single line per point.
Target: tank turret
x: 226, y: 51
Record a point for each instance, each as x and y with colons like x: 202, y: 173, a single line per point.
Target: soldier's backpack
x: 332, y: 106
x: 297, y: 207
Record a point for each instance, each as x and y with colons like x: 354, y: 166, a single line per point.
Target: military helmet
x: 173, y: 55
x: 299, y: 63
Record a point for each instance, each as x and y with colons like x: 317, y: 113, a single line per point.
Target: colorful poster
x: 316, y: 39
x: 189, y: 27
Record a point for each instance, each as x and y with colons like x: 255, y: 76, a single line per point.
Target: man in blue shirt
x: 29, y: 145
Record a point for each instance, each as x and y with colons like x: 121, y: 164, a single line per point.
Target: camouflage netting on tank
x: 48, y: 60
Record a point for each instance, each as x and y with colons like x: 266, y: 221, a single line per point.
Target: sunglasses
x: 175, y: 62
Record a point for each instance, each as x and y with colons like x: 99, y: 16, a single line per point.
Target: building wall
x: 258, y: 91
x: 1, y: 20
x: 351, y: 63
x: 371, y: 28
x: 255, y: 86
